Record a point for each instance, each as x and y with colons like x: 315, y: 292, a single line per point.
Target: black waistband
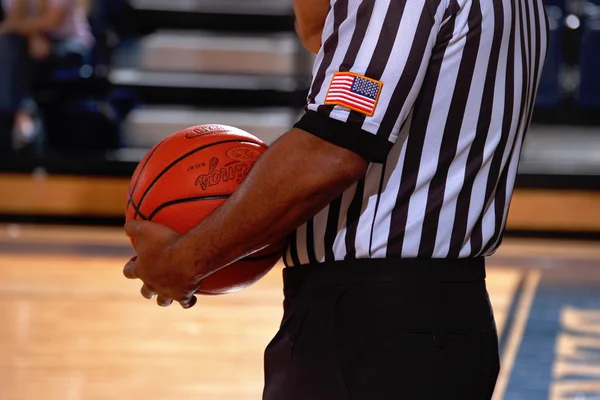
x: 383, y: 270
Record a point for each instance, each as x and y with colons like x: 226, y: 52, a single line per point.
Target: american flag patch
x: 355, y: 92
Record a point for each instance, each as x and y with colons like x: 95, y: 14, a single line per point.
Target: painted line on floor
x: 516, y: 334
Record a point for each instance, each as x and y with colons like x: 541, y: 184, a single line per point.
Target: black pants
x: 384, y: 329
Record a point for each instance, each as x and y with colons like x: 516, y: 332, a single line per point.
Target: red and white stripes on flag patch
x: 355, y: 92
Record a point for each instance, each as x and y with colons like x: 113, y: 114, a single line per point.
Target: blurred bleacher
x: 163, y: 65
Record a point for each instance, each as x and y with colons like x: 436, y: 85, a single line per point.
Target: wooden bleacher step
x: 208, y: 52
x: 148, y: 125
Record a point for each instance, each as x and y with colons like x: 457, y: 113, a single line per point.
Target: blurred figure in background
x: 35, y: 36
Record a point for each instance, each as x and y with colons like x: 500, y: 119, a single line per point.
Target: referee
x: 393, y: 188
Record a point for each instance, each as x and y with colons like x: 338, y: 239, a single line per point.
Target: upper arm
x: 369, y: 71
x: 310, y: 18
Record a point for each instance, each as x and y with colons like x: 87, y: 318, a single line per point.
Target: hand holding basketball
x: 179, y: 182
x: 164, y: 270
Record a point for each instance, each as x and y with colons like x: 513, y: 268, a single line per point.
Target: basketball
x: 185, y: 177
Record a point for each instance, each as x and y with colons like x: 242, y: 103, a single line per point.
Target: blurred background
x: 142, y: 69
x: 155, y: 67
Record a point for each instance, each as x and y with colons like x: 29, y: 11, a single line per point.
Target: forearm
x: 310, y: 20
x: 291, y: 182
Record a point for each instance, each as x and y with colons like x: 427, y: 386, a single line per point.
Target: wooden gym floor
x: 74, y: 329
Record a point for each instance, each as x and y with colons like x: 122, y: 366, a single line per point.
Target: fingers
x: 164, y: 301
x: 129, y: 269
x: 188, y: 303
x: 132, y: 228
x: 147, y: 292
x: 148, y: 229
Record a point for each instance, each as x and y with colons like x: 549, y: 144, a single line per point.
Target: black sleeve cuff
x: 372, y: 147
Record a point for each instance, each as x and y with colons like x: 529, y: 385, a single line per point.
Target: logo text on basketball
x: 236, y: 171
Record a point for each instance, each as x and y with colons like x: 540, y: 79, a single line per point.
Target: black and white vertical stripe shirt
x: 437, y: 95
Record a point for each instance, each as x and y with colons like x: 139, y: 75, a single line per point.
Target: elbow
x: 354, y: 168
x: 345, y: 170
x: 325, y: 192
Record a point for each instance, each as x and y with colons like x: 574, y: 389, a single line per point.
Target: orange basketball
x: 187, y: 176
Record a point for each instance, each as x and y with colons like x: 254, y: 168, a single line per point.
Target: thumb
x: 142, y: 228
x: 133, y: 228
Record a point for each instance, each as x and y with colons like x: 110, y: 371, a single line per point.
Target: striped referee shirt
x: 438, y: 96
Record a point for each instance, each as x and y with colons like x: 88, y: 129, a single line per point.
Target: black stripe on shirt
x: 475, y: 157
x: 452, y: 130
x: 340, y: 13
x: 416, y: 138
x: 410, y: 72
x: 493, y: 190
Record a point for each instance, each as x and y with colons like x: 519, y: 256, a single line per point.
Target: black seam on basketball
x: 140, y: 177
x: 183, y: 157
x: 136, y: 208
x: 257, y: 258
x: 186, y: 200
x: 137, y: 181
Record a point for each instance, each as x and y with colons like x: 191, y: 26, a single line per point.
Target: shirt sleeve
x: 369, y: 71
